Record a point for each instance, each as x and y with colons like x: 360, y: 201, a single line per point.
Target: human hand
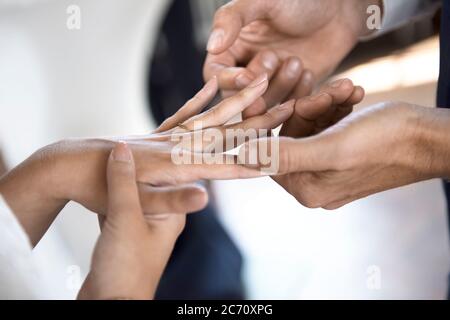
x: 74, y: 169
x: 379, y: 148
x: 189, y: 132
x: 39, y: 188
x: 132, y: 250
x: 250, y: 37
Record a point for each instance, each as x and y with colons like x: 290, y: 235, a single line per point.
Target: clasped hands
x: 324, y: 152
x: 327, y: 156
x: 144, y: 196
x: 323, y: 163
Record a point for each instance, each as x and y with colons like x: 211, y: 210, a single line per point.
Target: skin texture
x: 144, y: 196
x: 122, y: 267
x: 384, y: 146
x: 2, y: 165
x: 293, y: 41
x: 326, y: 162
x: 73, y: 170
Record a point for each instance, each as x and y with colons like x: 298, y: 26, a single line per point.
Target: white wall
x: 57, y: 83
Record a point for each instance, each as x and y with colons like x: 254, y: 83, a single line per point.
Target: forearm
x: 27, y: 190
x: 431, y: 142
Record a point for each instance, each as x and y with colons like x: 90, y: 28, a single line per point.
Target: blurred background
x: 132, y: 64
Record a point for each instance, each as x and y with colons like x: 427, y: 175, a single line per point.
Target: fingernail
x: 121, y: 152
x: 242, y: 80
x: 270, y: 60
x: 293, y: 68
x: 337, y: 83
x: 216, y: 39
x: 258, y: 81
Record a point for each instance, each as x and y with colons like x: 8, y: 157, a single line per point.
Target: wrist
x: 79, y: 170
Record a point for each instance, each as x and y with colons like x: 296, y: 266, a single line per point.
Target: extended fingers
x: 224, y: 138
x: 270, y: 120
x: 230, y: 107
x: 234, y: 78
x: 255, y: 127
x: 237, y: 78
x: 192, y: 107
x: 290, y: 80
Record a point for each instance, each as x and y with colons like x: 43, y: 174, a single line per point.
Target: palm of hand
x: 321, y: 43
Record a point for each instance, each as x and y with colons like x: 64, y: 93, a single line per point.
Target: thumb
x: 123, y: 197
x: 287, y: 155
x: 230, y: 19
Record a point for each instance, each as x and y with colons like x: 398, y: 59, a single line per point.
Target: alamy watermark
x: 73, y: 280
x: 210, y: 146
x: 73, y: 21
x: 373, y: 22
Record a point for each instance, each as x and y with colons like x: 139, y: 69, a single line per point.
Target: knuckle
x: 286, y: 161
